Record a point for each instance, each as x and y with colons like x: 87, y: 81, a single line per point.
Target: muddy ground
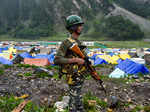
x: 48, y: 90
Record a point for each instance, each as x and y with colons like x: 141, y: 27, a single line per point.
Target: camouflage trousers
x: 75, y: 103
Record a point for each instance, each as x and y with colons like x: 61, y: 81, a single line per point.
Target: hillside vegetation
x: 37, y: 18
x: 139, y: 7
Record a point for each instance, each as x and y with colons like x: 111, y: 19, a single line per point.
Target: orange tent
x: 36, y: 62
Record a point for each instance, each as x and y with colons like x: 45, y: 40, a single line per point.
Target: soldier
x: 71, y: 65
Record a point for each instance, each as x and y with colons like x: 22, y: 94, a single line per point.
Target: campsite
x: 74, y: 55
x: 27, y: 72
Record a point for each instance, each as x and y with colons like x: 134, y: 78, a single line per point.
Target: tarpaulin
x: 25, y: 55
x: 130, y: 67
x: 94, y: 56
x: 110, y: 59
x: 3, y: 49
x: 99, y: 61
x: 5, y: 55
x: 5, y: 61
x: 124, y: 56
x: 117, y: 73
x: 41, y: 56
x: 111, y: 53
x: 50, y: 57
x: 37, y: 62
x: 18, y: 48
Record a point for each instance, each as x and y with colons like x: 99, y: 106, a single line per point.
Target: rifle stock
x: 77, y: 50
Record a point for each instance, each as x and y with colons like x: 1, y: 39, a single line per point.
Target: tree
x: 118, y: 28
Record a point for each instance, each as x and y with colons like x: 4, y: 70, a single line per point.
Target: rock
x: 129, y: 100
x: 109, y: 110
x: 137, y: 80
x: 113, y: 102
x: 47, y: 91
x: 105, y: 99
x: 43, y: 70
x: 132, y: 106
x: 115, y: 88
x: 92, y: 102
x: 61, y: 105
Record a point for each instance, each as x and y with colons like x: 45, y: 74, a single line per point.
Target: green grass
x: 26, y: 66
x: 9, y: 38
x: 126, y: 44
x: 42, y: 75
x: 111, y: 44
x: 92, y: 108
x: 1, y: 71
x: 140, y: 108
x: 27, y: 74
x: 8, y: 103
x: 147, y: 108
x: 52, y: 67
x: 6, y: 66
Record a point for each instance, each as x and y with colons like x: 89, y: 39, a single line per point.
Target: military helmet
x: 73, y: 20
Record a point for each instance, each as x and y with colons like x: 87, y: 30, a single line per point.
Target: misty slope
x: 21, y: 17
x: 138, y: 7
x: 25, y: 10
x: 142, y: 22
x: 43, y: 18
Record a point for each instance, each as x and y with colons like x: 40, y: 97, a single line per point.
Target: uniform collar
x: 74, y: 38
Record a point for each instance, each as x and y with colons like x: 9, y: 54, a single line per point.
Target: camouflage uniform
x: 75, y: 73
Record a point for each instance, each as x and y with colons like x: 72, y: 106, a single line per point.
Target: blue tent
x: 119, y: 60
x: 111, y: 53
x: 99, y: 61
x: 41, y: 56
x: 3, y: 48
x: 130, y: 67
x: 25, y: 55
x: 94, y: 56
x: 5, y: 61
x: 117, y: 73
x: 18, y: 48
x: 51, y: 58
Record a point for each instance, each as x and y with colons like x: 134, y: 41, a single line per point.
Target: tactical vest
x: 74, y: 69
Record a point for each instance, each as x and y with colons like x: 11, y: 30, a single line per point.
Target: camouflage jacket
x: 62, y: 55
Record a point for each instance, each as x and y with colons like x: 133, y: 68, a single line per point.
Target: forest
x: 37, y: 18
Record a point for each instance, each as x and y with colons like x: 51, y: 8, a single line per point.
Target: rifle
x: 92, y: 70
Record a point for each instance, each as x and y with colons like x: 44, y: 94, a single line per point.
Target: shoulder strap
x: 71, y: 40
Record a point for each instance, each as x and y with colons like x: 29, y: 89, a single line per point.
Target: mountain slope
x: 43, y: 17
x: 142, y: 22
x: 138, y: 7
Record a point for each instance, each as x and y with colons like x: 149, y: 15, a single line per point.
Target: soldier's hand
x: 79, y: 61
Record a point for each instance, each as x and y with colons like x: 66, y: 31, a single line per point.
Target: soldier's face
x: 80, y: 28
